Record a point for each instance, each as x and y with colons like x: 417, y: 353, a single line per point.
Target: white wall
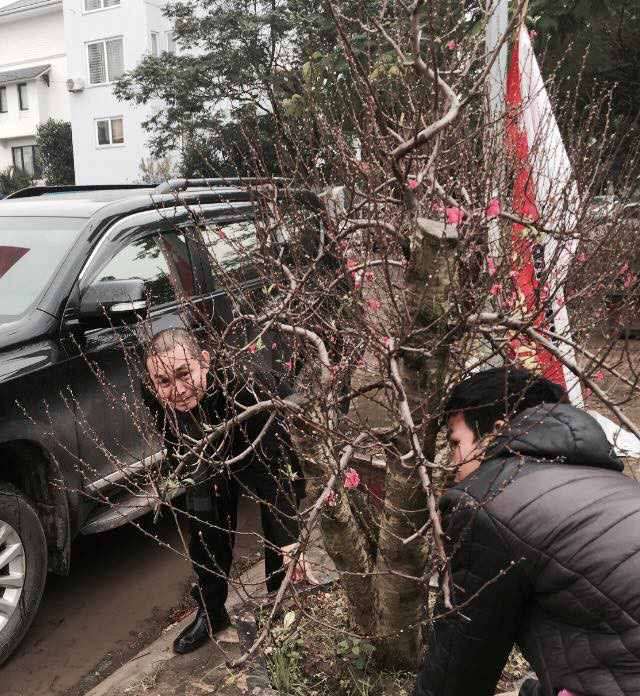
x: 28, y: 40
x: 133, y: 20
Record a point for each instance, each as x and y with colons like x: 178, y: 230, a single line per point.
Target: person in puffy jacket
x: 543, y: 532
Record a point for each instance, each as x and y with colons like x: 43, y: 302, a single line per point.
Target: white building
x: 59, y: 58
x: 33, y: 75
x: 103, y: 39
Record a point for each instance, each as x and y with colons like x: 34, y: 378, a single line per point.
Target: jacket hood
x: 557, y: 431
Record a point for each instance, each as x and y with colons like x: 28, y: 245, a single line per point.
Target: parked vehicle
x: 76, y: 269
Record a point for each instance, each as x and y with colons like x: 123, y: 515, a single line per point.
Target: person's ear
x: 497, y: 427
x: 206, y: 358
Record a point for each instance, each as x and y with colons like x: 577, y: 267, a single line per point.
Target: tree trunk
x: 401, y: 601
x: 343, y: 540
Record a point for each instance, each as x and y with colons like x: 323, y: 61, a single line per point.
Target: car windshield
x: 31, y: 250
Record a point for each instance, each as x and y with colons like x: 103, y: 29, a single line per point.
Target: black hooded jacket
x: 549, y: 509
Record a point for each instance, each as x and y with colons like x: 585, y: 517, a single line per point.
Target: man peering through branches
x: 189, y: 396
x: 543, y: 535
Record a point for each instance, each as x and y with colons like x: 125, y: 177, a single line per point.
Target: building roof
x: 23, y: 74
x: 22, y: 5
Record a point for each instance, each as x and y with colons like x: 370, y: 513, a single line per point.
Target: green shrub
x: 13, y: 179
x: 55, y: 147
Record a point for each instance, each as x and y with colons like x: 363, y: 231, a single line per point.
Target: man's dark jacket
x: 549, y: 508
x: 270, y: 467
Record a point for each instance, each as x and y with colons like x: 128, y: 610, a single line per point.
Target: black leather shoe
x: 197, y: 633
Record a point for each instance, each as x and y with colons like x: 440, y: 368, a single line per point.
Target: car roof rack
x: 32, y: 191
x: 174, y: 185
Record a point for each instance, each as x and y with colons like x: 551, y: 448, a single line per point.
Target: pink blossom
x: 369, y: 275
x: 454, y: 215
x: 412, y: 183
x: 599, y: 376
x: 288, y: 366
x: 352, y: 479
x: 533, y: 33
x: 624, y: 268
x: 627, y: 282
x: 331, y: 498
x: 221, y: 234
x: 273, y: 346
x: 451, y: 45
x: 494, y: 208
x: 373, y: 305
x: 581, y: 257
x: 491, y: 267
x: 586, y: 393
x: 352, y: 264
x: 560, y: 302
x: 496, y: 289
x: 436, y: 208
x: 336, y: 368
x: 253, y: 347
x: 361, y: 362
x: 404, y: 262
x: 384, y: 339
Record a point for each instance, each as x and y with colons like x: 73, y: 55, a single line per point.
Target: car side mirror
x: 114, y: 302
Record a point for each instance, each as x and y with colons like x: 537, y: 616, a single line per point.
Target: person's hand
x: 303, y: 570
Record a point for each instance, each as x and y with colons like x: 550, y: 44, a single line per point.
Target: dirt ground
x: 123, y: 589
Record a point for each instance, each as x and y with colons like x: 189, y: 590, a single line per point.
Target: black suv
x: 68, y: 255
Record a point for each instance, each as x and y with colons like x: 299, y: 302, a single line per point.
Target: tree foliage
x: 243, y: 68
x: 54, y: 143
x: 592, y: 47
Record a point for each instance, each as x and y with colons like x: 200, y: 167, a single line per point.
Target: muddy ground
x: 123, y: 589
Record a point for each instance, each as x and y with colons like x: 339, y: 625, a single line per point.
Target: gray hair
x: 168, y: 339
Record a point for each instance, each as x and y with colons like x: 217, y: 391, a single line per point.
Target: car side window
x: 163, y: 262
x: 228, y: 246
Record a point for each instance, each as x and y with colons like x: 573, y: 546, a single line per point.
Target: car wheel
x: 23, y: 566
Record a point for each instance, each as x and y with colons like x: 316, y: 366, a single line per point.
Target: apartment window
x: 3, y: 100
x: 91, y: 5
x: 106, y: 61
x: 26, y: 159
x: 171, y: 42
x: 110, y: 131
x: 23, y: 99
x: 154, y: 43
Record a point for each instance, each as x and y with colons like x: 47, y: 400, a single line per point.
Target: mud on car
x: 81, y: 268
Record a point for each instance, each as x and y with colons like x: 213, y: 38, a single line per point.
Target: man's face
x: 467, y: 449
x: 179, y: 378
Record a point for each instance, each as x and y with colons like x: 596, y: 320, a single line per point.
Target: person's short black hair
x: 499, y: 393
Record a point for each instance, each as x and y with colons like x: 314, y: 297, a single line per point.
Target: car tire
x: 23, y: 566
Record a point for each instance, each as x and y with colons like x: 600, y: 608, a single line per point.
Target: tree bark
x: 401, y: 601
x: 343, y: 539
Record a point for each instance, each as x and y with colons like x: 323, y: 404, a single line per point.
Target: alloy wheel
x: 12, y: 571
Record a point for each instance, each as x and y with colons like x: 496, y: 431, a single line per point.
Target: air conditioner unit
x: 75, y: 84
